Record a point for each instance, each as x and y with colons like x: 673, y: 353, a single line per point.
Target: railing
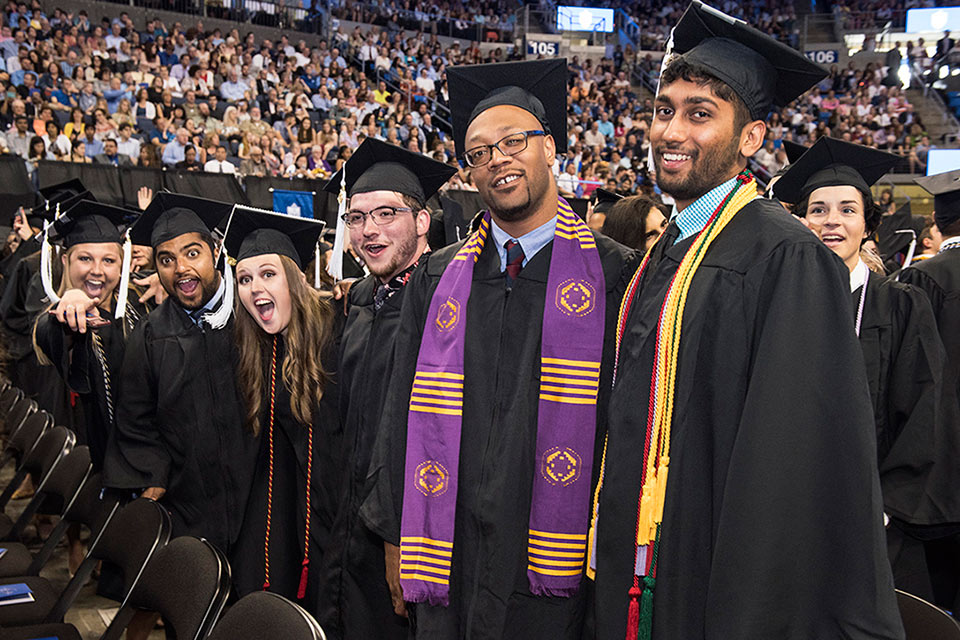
x: 917, y: 79
x: 282, y: 15
x: 628, y: 27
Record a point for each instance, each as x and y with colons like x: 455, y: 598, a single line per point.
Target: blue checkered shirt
x: 694, y: 218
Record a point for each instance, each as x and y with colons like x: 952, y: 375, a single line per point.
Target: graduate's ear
x: 423, y: 223
x: 752, y: 137
x: 549, y: 149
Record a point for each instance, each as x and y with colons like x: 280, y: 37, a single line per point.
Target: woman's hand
x: 73, y: 309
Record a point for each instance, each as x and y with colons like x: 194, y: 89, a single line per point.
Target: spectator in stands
x: 189, y: 162
x: 58, y: 144
x: 78, y: 153
x: 219, y: 163
x: 254, y: 164
x: 110, y: 155
x: 233, y: 89
x: 568, y: 183
x: 149, y: 156
x: 127, y: 145
x: 92, y: 143
x: 163, y: 133
x: 918, y: 156
x: 18, y: 138
x: 173, y: 152
x: 74, y: 128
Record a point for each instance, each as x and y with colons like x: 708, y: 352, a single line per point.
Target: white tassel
x: 218, y: 319
x: 335, y: 268
x: 316, y: 265
x: 124, y: 286
x: 46, y: 267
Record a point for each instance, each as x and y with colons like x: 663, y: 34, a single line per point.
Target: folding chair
x: 24, y: 438
x: 39, y: 463
x: 925, y: 621
x: 262, y: 615
x: 21, y: 409
x: 128, y: 541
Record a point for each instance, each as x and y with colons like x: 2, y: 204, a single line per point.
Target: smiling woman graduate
x: 916, y: 445
x: 285, y: 333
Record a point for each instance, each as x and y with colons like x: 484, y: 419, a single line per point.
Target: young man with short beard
x: 480, y: 478
x: 179, y: 436
x: 769, y: 523
x: 388, y: 222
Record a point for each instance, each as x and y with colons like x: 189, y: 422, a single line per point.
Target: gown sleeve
x: 136, y: 456
x: 381, y: 509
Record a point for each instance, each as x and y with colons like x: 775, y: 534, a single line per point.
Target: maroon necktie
x: 514, y: 260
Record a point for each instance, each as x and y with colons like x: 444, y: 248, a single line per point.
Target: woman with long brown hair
x: 285, y: 333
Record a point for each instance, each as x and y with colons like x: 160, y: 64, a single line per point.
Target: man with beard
x: 771, y: 523
x: 387, y: 221
x: 481, y: 473
x: 179, y: 437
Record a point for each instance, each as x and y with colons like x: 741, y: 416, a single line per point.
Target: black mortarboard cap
x: 62, y: 191
x: 172, y: 214
x: 380, y: 166
x: 889, y: 241
x: 761, y: 70
x: 90, y: 221
x: 605, y: 200
x: 830, y: 163
x: 66, y: 194
x: 256, y: 233
x: 945, y: 188
x: 794, y: 150
x: 537, y: 86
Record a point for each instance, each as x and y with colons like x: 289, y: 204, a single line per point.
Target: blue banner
x: 293, y: 203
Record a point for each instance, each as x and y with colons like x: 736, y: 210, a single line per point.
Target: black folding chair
x: 925, y: 621
x: 67, y: 480
x: 128, y: 541
x: 24, y: 438
x: 21, y: 409
x: 10, y: 395
x: 39, y: 464
x: 187, y: 582
x: 262, y: 615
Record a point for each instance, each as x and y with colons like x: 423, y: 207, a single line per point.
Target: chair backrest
x: 128, y: 541
x: 924, y: 621
x: 39, y: 460
x: 22, y: 440
x: 187, y: 582
x: 60, y: 482
x: 21, y: 409
x: 7, y: 398
x: 262, y: 615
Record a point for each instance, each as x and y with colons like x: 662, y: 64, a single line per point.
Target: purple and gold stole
x: 571, y: 348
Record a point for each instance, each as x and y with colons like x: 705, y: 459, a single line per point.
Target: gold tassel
x: 661, y: 496
x: 646, y: 507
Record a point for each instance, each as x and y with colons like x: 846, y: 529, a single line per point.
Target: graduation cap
x: 253, y: 232
x: 170, y: 215
x: 537, y: 86
x: 945, y: 188
x: 380, y: 166
x: 897, y: 233
x: 62, y: 191
x: 831, y: 162
x: 90, y: 221
x: 793, y: 150
x: 57, y: 198
x: 761, y: 70
x: 605, y: 200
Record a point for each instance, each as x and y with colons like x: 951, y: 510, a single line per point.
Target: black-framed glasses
x: 381, y: 216
x: 509, y: 145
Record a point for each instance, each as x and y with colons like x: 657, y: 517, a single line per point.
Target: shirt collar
x: 694, y: 217
x: 196, y: 315
x: 531, y: 242
x: 859, y: 275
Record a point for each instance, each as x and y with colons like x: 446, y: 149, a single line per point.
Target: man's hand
x: 392, y: 560
x: 154, y: 290
x: 73, y: 308
x: 154, y: 493
x: 21, y: 227
x: 144, y: 196
x: 341, y: 289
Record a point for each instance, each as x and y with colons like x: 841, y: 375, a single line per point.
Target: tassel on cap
x: 218, y: 319
x: 316, y: 265
x: 46, y: 266
x: 123, y: 289
x: 335, y: 268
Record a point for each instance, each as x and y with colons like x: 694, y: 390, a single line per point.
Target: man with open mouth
x: 180, y: 437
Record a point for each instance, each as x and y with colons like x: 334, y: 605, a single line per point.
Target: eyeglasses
x: 509, y: 145
x: 381, y: 216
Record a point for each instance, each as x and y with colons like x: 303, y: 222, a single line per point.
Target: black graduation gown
x: 288, y: 511
x: 9, y: 264
x: 179, y: 425
x: 356, y: 603
x: 74, y: 358
x: 23, y: 301
x: 939, y: 278
x: 489, y: 590
x: 772, y: 525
